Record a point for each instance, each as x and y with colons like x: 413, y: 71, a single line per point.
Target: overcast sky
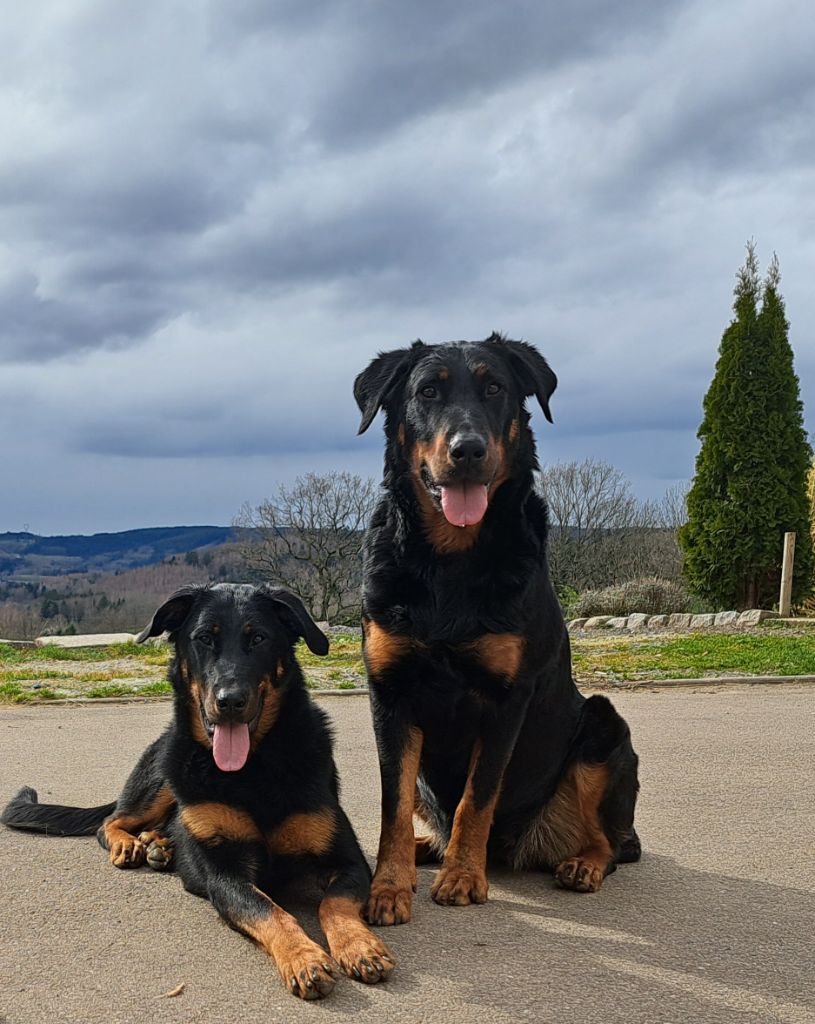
x: 212, y: 215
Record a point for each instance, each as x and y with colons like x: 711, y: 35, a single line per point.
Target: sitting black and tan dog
x: 480, y: 728
x: 240, y: 793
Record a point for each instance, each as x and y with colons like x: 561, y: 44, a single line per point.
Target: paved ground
x: 714, y: 925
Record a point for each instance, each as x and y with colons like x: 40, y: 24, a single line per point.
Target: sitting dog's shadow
x: 659, y: 942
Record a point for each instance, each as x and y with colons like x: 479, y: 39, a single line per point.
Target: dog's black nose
x: 230, y: 699
x: 465, y: 448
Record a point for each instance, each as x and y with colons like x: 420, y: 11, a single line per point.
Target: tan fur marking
x: 400, y: 434
x: 500, y: 653
x: 481, y: 370
x: 443, y: 536
x: 273, y: 932
x: 270, y: 709
x: 214, y: 823
x: 463, y: 876
x: 199, y: 731
x: 395, y: 877
x: 514, y: 431
x: 569, y: 825
x: 433, y: 454
x: 382, y: 648
x: 351, y: 942
x: 444, y: 373
x: 297, y: 958
x: 120, y: 831
x: 304, y: 834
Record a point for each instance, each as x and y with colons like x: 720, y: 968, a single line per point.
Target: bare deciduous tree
x: 308, y: 538
x: 600, y: 534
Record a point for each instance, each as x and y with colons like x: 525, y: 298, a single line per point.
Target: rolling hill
x: 26, y: 555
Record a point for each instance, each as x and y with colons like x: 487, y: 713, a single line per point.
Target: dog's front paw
x: 580, y: 875
x: 307, y: 970
x: 363, y: 956
x: 389, y: 903
x: 456, y: 886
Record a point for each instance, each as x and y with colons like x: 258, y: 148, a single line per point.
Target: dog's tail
x: 26, y: 813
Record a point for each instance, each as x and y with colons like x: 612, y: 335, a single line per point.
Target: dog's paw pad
x: 159, y: 853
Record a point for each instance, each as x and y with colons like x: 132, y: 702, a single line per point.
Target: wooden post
x: 785, y: 600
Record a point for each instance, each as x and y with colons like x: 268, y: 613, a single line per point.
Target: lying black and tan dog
x: 466, y: 650
x: 240, y: 793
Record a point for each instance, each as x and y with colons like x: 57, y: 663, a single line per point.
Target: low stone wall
x: 677, y: 620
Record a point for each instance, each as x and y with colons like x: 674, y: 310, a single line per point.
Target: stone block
x: 754, y: 616
x: 637, y: 620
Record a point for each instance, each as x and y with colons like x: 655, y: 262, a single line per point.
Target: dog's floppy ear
x: 296, y: 619
x: 531, y: 370
x: 375, y: 383
x: 171, y: 615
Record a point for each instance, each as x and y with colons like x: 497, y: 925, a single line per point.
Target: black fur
x: 235, y: 663
x: 435, y: 601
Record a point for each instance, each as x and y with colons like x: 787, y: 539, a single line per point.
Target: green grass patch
x: 148, y: 655
x: 34, y: 675
x: 14, y: 693
x: 345, y: 652
x: 10, y: 691
x: 686, y: 656
x: 348, y: 684
x: 158, y: 689
x: 114, y: 690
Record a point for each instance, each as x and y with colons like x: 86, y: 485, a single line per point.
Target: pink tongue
x: 230, y: 746
x: 464, y: 504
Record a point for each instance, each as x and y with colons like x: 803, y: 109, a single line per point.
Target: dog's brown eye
x: 428, y: 392
x: 492, y: 389
x: 257, y: 639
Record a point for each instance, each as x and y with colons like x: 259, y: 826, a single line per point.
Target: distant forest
x: 106, y: 582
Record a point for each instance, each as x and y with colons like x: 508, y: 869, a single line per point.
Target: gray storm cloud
x: 212, y: 217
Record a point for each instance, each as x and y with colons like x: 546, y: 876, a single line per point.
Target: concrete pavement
x: 714, y: 925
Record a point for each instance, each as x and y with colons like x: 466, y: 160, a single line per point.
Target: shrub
x: 648, y: 594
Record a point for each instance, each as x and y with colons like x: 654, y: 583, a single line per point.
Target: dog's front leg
x: 463, y: 875
x: 306, y: 969
x: 220, y: 852
x: 400, y: 745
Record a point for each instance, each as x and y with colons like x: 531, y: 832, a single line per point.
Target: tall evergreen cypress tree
x: 750, y: 482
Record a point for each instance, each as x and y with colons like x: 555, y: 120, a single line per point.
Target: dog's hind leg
x: 603, y: 781
x: 145, y: 806
x: 587, y: 827
x: 431, y: 844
